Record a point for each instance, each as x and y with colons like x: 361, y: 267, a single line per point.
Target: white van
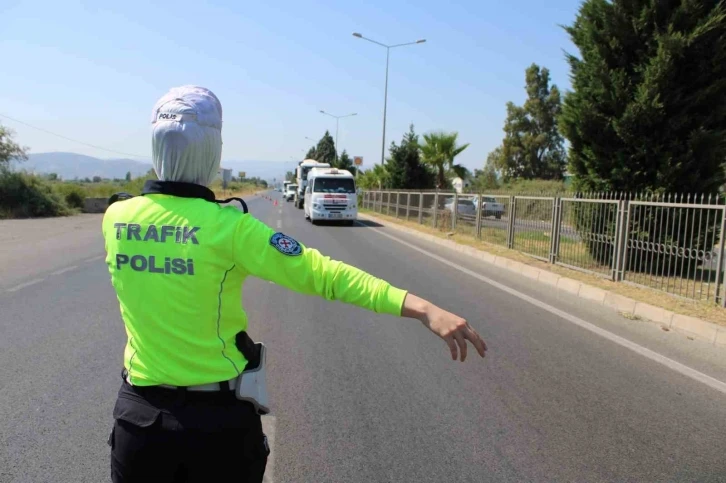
x: 289, y: 193
x: 331, y: 195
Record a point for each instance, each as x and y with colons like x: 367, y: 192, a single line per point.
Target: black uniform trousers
x: 173, y: 435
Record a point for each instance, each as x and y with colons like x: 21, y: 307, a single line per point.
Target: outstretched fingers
x: 476, y: 340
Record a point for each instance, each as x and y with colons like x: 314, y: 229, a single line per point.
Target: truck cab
x: 331, y: 195
x: 303, y: 169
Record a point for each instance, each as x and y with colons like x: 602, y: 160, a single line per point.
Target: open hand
x: 454, y: 330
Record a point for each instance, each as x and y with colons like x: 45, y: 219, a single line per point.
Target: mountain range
x: 70, y: 166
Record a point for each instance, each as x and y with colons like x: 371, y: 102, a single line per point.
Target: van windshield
x: 334, y: 185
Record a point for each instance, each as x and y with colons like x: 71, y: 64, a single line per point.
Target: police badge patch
x: 285, y: 245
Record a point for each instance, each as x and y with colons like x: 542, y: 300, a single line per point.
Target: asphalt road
x: 361, y: 397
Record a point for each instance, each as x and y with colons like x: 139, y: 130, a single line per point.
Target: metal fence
x: 671, y: 244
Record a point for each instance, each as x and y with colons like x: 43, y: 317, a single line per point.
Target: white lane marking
x: 268, y: 427
x: 26, y: 284
x: 280, y: 211
x: 100, y: 257
x: 654, y: 356
x: 279, y: 224
x: 64, y: 270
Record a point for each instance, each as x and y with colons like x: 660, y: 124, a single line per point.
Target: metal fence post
x: 621, y: 241
x: 398, y: 196
x: 478, y: 215
x: 420, y: 208
x: 408, y: 205
x: 719, y: 268
x: 512, y: 216
x: 436, y: 208
x: 455, y: 212
x: 556, y: 222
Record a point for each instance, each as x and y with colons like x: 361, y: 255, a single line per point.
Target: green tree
x: 647, y: 109
x: 128, y: 176
x: 9, y: 149
x: 439, y: 151
x: 311, y: 154
x: 404, y: 167
x: 325, y: 150
x: 345, y: 162
x: 375, y: 178
x: 485, y: 179
x: 533, y: 147
x: 290, y: 176
x: 488, y: 178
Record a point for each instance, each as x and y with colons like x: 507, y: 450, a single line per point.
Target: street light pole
x: 337, y: 120
x: 385, y: 108
x: 385, y: 93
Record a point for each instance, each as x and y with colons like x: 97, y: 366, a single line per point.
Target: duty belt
x: 248, y: 349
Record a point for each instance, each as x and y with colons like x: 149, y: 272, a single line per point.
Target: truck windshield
x: 334, y: 185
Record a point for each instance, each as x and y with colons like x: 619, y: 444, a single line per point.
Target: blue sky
x: 93, y: 70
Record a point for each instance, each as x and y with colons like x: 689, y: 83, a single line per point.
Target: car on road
x: 464, y: 206
x: 290, y: 192
x: 490, y: 206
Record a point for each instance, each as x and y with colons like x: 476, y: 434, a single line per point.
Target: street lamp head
x: 421, y: 41
x: 322, y: 111
x: 356, y: 34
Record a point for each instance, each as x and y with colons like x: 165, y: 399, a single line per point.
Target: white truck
x: 330, y: 195
x: 302, y: 179
x: 290, y: 190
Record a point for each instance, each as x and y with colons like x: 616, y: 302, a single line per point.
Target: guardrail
x: 671, y: 244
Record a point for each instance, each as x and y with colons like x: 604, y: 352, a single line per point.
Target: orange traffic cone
x: 275, y: 202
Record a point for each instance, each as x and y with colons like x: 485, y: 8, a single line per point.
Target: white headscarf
x: 187, y: 135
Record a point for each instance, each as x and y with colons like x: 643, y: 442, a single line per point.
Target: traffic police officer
x: 178, y: 260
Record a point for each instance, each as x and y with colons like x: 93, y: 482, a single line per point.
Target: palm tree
x: 439, y: 150
x: 375, y: 178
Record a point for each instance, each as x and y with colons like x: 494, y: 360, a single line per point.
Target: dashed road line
x: 279, y: 224
x: 94, y: 259
x: 24, y: 285
x: 64, y: 270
